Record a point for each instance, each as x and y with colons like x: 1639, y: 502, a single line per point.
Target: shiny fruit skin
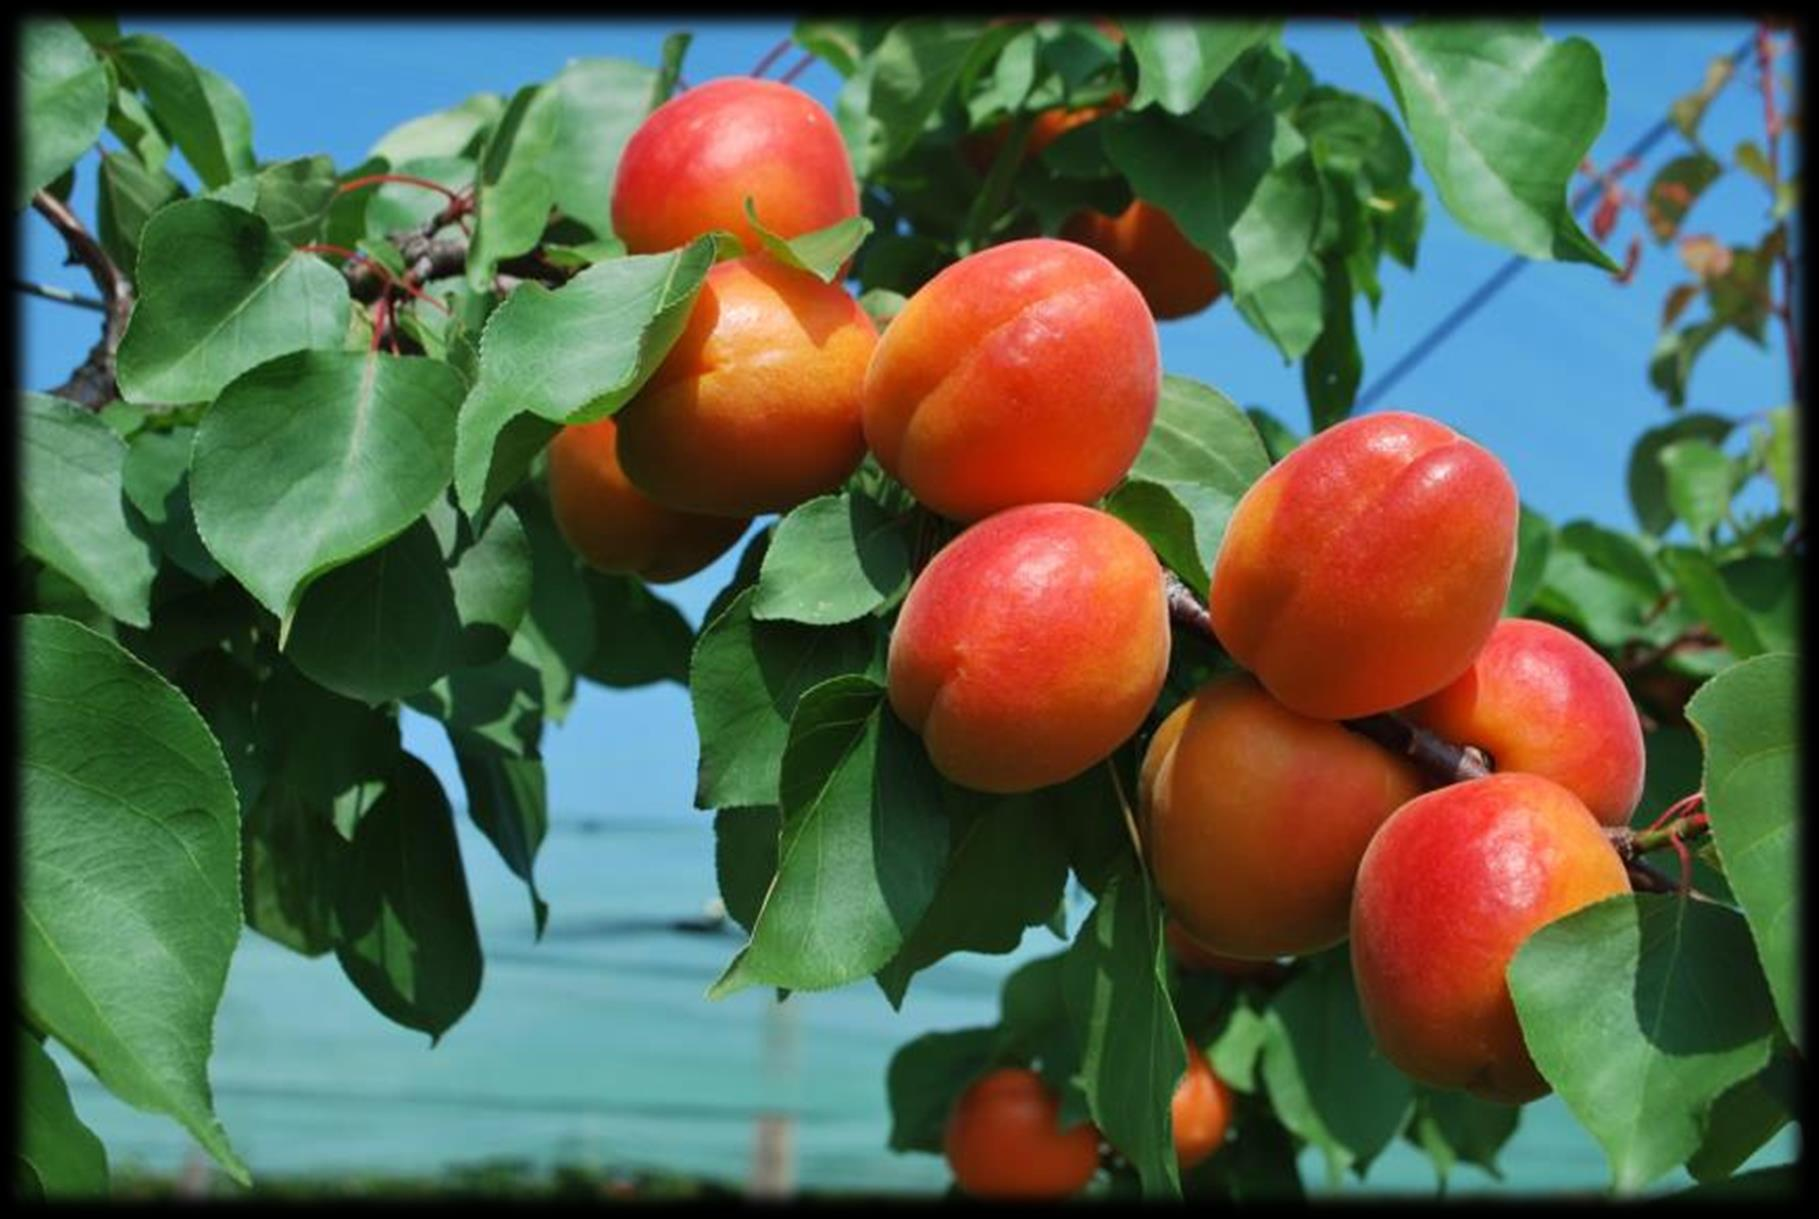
x: 1003, y: 1140
x: 1200, y: 1111
x: 1177, y: 278
x: 1026, y: 373
x: 755, y: 408
x: 614, y: 526
x: 689, y: 167
x: 1365, y: 569
x: 1448, y: 891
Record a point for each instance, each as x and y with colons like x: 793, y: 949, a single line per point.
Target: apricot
x: 1541, y: 701
x: 1449, y: 889
x: 982, y: 149
x: 1200, y: 1111
x: 1004, y: 1140
x: 1026, y: 373
x: 1256, y: 817
x: 1195, y: 957
x: 756, y: 407
x: 690, y: 166
x: 1030, y: 647
x: 616, y: 527
x: 1176, y: 277
x: 1365, y: 569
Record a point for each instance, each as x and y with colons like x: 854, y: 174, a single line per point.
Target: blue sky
x: 1551, y: 376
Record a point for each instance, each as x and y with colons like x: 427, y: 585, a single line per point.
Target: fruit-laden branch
x: 428, y: 257
x: 1440, y: 760
x: 92, y: 383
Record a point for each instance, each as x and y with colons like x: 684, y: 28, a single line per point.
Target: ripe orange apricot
x: 1004, y: 1140
x: 1366, y: 568
x: 1026, y: 373
x: 1176, y: 277
x: 1030, y: 647
x: 1200, y: 1111
x: 1256, y: 816
x: 689, y: 167
x: 616, y: 527
x: 1542, y: 701
x: 756, y: 407
x: 1195, y: 957
x: 1451, y: 886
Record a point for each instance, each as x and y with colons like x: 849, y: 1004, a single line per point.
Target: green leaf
x: 913, y: 72
x: 129, y: 890
x: 74, y: 515
x: 1698, y: 478
x: 1200, y: 436
x: 127, y: 197
x: 1670, y: 368
x: 1184, y: 523
x: 571, y: 355
x: 1782, y: 1183
x: 597, y: 104
x: 833, y: 559
x: 311, y: 460
x: 1279, y: 439
x: 218, y: 294
x: 1334, y: 365
x: 1779, y: 449
x: 1616, y: 1004
x: 1324, y: 1074
x: 1648, y: 476
x: 508, y: 798
x: 1534, y: 542
x: 1745, y: 718
x: 745, y: 859
x: 1501, y: 115
x: 1116, y: 986
x: 63, y: 94
x: 823, y: 253
x: 925, y: 1078
x: 1178, y: 61
x: 1689, y: 108
x: 744, y: 681
x: 1289, y: 311
x: 490, y: 578
x: 1745, y: 1118
x: 1674, y: 189
x: 1005, y: 871
x: 1457, y: 1127
x: 513, y: 192
x: 155, y: 477
x: 560, y: 624
x: 863, y: 841
x: 133, y: 125
x: 62, y: 1156
x: 293, y: 196
x: 456, y: 132
x: 641, y: 638
x: 1705, y: 592
x: 407, y: 936
x: 501, y: 703
x: 205, y: 115
x: 382, y: 627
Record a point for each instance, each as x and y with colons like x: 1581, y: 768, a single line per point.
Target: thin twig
x: 63, y: 296
x: 92, y: 384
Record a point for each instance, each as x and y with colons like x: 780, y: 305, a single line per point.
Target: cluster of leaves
x: 281, y: 533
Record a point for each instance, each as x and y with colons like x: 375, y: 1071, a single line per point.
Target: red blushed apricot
x: 1026, y: 373
x: 1200, y: 1111
x: 1196, y: 957
x: 1004, y: 1140
x: 756, y: 407
x: 1367, y: 567
x: 1256, y: 817
x: 616, y: 527
x: 1540, y: 700
x: 1176, y: 277
x: 1031, y: 647
x: 1449, y: 889
x: 689, y: 167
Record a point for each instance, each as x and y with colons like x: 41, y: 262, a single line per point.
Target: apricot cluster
x: 1365, y: 573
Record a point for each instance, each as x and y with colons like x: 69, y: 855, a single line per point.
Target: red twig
x: 404, y: 179
x: 1771, y: 123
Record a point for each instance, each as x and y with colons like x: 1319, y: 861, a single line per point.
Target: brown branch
x: 1441, y: 761
x: 92, y: 384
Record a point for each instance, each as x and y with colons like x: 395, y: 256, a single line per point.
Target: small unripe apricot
x: 1540, y: 700
x: 1176, y: 277
x: 1031, y: 647
x: 1367, y: 567
x: 690, y: 166
x: 1451, y: 886
x: 616, y: 527
x: 1200, y: 1111
x: 1255, y: 818
x: 1026, y: 373
x: 756, y: 407
x: 1004, y: 1140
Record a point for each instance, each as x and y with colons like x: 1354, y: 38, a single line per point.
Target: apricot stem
x: 1124, y: 806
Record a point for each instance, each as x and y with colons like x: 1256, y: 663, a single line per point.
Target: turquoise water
x: 596, y: 1047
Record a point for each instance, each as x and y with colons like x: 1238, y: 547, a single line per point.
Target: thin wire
x: 1499, y: 279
